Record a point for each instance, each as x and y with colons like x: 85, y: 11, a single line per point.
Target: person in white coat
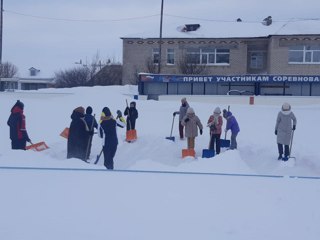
x: 285, y: 125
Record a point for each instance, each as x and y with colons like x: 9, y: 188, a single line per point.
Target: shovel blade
x: 40, y: 146
x: 65, y: 133
x: 208, y: 153
x: 188, y: 153
x: 171, y: 138
x: 224, y: 143
x: 131, y: 135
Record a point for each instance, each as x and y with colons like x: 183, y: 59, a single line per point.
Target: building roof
x: 211, y: 29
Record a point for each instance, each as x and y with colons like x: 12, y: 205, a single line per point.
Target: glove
x: 200, y: 131
x: 174, y: 114
x: 119, y: 114
x: 275, y: 132
x: 294, y: 127
x: 186, y: 120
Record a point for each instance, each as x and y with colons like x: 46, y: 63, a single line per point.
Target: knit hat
x: 183, y: 100
x: 19, y: 104
x: 217, y: 110
x: 286, y: 107
x: 106, y: 111
x: 133, y: 104
x: 190, y: 110
x: 79, y: 110
x: 89, y: 110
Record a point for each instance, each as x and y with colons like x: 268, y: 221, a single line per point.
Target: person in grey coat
x: 285, y: 124
x: 182, y: 113
x: 191, y: 122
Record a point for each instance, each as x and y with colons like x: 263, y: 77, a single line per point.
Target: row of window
x: 304, y: 54
x: 220, y: 56
x: 199, y: 56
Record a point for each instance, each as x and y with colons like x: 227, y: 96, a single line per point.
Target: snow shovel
x: 40, y: 146
x: 171, y: 137
x: 131, y: 134
x: 224, y: 143
x: 291, y: 145
x: 65, y: 133
x: 188, y: 153
x: 208, y: 153
x: 98, y: 156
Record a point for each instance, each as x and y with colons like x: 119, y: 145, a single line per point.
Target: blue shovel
x: 171, y: 137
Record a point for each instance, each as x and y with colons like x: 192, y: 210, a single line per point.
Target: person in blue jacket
x: 108, y: 130
x: 92, y: 124
x: 232, y: 124
x: 132, y: 115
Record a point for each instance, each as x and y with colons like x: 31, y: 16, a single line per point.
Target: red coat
x: 215, y: 128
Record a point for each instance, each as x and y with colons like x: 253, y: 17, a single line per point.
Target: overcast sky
x: 52, y: 35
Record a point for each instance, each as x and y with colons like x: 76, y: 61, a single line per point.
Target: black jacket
x: 78, y: 137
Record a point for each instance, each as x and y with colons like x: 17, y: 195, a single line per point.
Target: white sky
x: 37, y: 33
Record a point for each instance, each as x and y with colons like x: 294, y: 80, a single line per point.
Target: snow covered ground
x: 242, y: 194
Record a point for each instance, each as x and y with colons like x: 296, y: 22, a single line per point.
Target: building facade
x: 274, y: 55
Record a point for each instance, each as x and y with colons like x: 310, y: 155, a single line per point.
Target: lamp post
x: 160, y: 38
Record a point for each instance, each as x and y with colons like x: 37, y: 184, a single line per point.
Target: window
x: 208, y: 56
x: 256, y: 60
x: 304, y: 54
x: 170, y: 56
x: 155, y: 55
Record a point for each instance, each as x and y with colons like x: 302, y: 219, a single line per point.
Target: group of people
x: 82, y: 129
x: 189, y: 121
x: 83, y: 125
x: 285, y: 125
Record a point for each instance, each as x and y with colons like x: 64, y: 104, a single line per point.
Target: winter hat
x: 229, y: 114
x: 106, y: 111
x: 217, y: 110
x: 79, y: 110
x: 19, y: 104
x: 89, y: 110
x: 286, y: 107
x: 133, y: 104
x: 183, y: 100
x: 190, y: 110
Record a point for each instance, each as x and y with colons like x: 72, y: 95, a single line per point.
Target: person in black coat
x: 78, y: 135
x: 108, y: 130
x: 92, y: 124
x: 17, y: 123
x: 132, y: 115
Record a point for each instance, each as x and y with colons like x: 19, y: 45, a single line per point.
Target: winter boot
x: 285, y: 158
x: 280, y: 157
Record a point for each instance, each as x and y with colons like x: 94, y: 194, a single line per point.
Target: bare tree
x: 151, y: 66
x: 97, y: 72
x: 189, y: 64
x: 78, y: 76
x: 8, y: 70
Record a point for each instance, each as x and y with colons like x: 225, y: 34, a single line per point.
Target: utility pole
x: 160, y: 38
x: 1, y: 31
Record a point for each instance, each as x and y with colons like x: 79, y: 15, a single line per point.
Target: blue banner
x: 144, y: 77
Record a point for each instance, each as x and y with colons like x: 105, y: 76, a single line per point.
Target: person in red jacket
x: 17, y: 123
x: 215, y: 123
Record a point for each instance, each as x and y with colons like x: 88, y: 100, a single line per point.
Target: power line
x: 80, y: 20
x: 150, y: 16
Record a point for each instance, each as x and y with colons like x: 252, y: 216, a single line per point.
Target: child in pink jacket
x: 215, y: 123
